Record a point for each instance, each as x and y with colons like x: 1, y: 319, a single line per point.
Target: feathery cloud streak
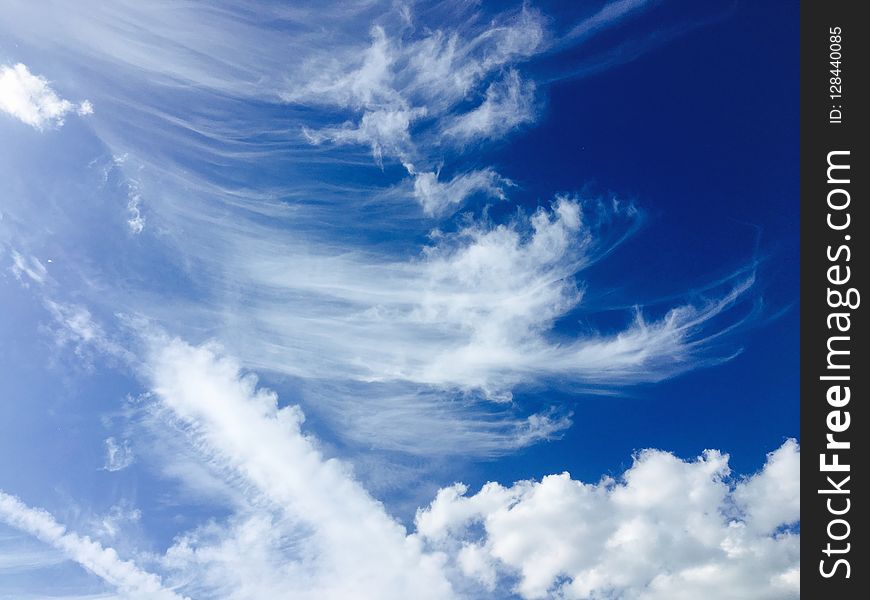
x: 124, y: 575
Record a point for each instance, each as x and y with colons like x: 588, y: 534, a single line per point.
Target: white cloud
x: 75, y: 326
x: 509, y: 103
x: 386, y: 131
x: 668, y: 529
x: 423, y: 335
x: 437, y: 197
x: 117, y: 519
x: 130, y: 580
x: 410, y: 347
x: 411, y: 341
x: 473, y: 312
x: 30, y: 99
x: 608, y: 15
x: 772, y: 497
x: 31, y: 267
x: 395, y: 83
x: 118, y: 457
x: 347, y: 544
x: 135, y: 220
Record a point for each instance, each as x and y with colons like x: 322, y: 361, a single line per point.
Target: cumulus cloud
x: 131, y: 581
x: 667, y: 529
x: 30, y: 99
x: 772, y: 498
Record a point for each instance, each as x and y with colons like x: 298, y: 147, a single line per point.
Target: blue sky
x: 399, y: 300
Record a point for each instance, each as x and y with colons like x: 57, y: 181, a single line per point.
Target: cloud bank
x: 666, y: 529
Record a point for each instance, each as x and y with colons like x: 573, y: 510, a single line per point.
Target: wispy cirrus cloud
x: 365, y: 287
x: 105, y: 563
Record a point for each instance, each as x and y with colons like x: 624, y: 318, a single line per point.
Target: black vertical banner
x: 835, y: 59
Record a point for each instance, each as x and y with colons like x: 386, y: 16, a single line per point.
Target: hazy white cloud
x: 30, y: 267
x: 607, y: 15
x: 131, y: 581
x: 667, y: 529
x: 116, y: 520
x: 30, y: 99
x: 118, y: 456
x: 75, y: 326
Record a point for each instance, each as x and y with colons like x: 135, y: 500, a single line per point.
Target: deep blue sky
x: 703, y: 134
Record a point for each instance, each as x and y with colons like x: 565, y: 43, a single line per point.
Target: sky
x: 399, y: 300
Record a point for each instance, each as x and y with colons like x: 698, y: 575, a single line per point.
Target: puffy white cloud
x: 667, y: 528
x: 30, y: 99
x: 772, y: 497
x: 130, y: 580
x: 399, y: 352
